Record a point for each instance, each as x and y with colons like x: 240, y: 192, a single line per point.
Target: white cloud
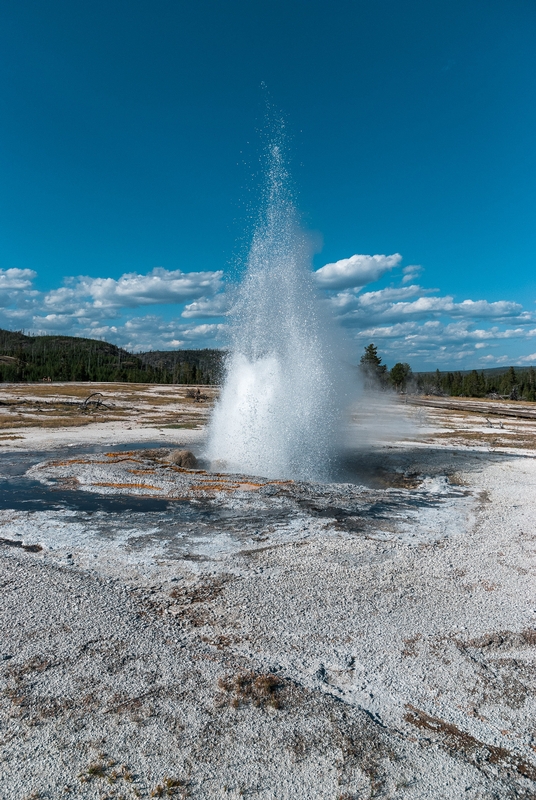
x: 407, y: 321
x: 494, y: 359
x: 380, y: 299
x: 396, y: 304
x: 432, y: 343
x: 51, y: 323
x: 206, y: 331
x: 16, y: 279
x: 131, y: 290
x: 153, y: 332
x: 104, y: 308
x: 355, y: 271
x: 424, y: 306
x: 97, y: 331
x: 411, y: 272
x: 16, y: 290
x: 207, y: 307
x: 435, y: 332
x: 482, y: 309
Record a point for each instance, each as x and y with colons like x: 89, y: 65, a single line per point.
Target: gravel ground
x: 354, y: 642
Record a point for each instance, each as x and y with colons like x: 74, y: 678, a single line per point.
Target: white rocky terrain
x: 179, y: 632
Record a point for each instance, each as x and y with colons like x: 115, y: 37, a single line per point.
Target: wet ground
x: 130, y: 507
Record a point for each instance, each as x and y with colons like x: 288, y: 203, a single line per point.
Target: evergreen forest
x: 511, y: 383
x: 69, y: 358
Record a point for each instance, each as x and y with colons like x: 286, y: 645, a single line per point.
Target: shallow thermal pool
x: 130, y: 509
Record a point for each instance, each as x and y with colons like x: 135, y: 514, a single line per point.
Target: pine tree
x: 399, y: 375
x: 371, y: 365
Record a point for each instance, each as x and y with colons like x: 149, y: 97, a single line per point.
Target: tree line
x: 69, y: 358
x: 511, y: 383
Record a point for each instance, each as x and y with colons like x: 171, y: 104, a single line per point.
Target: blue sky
x: 130, y: 164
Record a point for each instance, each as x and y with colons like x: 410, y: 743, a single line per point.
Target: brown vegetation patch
x: 458, y: 741
x: 29, y: 548
x: 171, y: 787
x: 188, y: 426
x: 362, y: 747
x: 40, y: 390
x: 501, y: 640
x: 34, y: 664
x: 506, y: 678
x: 410, y: 645
x: 221, y: 642
x: 39, y: 422
x: 191, y: 602
x: 262, y: 690
x: 200, y: 593
x: 104, y: 768
x: 121, y: 702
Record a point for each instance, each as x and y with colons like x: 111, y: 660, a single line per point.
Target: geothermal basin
x: 217, y: 634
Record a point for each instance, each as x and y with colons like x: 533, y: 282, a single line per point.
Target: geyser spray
x: 283, y: 393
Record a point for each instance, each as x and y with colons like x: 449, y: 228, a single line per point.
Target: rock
x: 182, y: 458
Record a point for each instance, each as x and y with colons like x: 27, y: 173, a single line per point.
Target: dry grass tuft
x: 106, y: 769
x: 252, y: 688
x: 170, y: 787
x: 97, y: 769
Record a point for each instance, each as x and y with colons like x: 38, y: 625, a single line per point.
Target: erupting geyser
x: 282, y: 399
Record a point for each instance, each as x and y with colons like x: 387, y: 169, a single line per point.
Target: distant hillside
x: 69, y: 358
x: 186, y: 366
